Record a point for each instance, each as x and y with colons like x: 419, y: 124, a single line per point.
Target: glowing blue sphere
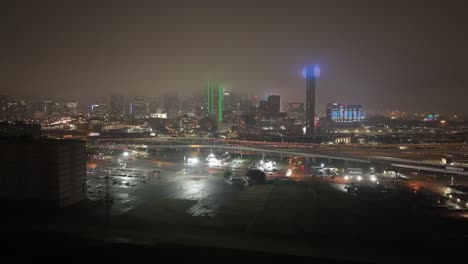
x: 311, y: 72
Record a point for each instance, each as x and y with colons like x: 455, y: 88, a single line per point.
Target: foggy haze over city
x: 385, y: 55
x: 330, y: 131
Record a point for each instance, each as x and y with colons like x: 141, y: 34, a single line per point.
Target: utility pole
x: 108, y: 200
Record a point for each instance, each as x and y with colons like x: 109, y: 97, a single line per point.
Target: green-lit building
x: 215, y: 99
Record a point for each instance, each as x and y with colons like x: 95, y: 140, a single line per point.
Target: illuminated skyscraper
x: 310, y: 73
x: 215, y: 99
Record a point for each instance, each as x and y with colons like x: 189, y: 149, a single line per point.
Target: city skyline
x: 390, y: 56
x: 87, y: 105
x: 319, y: 130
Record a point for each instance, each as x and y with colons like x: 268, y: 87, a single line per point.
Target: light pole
x: 108, y: 199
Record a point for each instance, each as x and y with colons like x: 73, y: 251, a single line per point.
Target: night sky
x: 382, y: 54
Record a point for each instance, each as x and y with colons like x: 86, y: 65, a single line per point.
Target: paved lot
x: 196, y: 204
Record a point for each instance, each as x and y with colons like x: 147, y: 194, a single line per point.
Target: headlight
x: 373, y: 178
x: 346, y: 177
x: 359, y: 178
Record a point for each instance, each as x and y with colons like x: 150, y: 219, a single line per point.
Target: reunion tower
x: 310, y: 74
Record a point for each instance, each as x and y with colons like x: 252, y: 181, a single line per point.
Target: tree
x: 256, y: 176
x: 227, y: 174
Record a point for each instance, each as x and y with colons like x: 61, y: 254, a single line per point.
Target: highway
x: 357, y: 156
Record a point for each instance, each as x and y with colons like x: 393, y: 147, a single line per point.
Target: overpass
x: 422, y: 165
x: 261, y: 150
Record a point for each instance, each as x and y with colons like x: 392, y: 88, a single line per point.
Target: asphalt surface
x: 194, y: 204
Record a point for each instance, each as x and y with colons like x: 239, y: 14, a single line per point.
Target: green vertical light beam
x: 220, y: 102
x: 211, y: 97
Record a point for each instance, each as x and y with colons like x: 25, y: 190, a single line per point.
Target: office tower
x: 139, y: 107
x: 116, y: 106
x: 273, y: 104
x: 231, y: 102
x: 295, y: 111
x: 263, y: 108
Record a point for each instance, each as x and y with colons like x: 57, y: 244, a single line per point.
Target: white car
x: 238, y: 180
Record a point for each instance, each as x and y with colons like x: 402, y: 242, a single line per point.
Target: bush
x: 256, y: 176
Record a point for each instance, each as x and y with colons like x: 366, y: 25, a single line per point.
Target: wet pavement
x: 138, y: 183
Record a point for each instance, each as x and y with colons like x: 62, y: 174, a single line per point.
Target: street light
x: 126, y: 154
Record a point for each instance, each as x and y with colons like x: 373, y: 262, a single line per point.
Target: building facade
x: 43, y: 172
x: 343, y: 113
x: 116, y: 106
x: 295, y: 111
x: 139, y: 107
